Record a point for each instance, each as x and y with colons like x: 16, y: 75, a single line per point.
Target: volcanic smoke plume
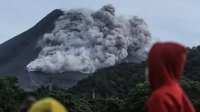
x: 85, y: 40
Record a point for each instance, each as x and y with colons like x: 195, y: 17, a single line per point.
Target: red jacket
x: 166, y: 63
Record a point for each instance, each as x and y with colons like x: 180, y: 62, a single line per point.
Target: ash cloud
x: 85, y: 40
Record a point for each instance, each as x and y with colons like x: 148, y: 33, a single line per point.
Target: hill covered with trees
x: 192, y: 68
x: 114, y: 81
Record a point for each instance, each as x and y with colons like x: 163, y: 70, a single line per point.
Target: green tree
x: 72, y: 104
x: 192, y: 88
x: 135, y: 102
x: 114, y: 105
x: 11, y: 96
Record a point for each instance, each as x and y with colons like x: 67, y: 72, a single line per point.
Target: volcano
x: 69, y: 45
x: 17, y: 52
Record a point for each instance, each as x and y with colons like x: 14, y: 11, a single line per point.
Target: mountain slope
x: 17, y: 52
x: 115, y: 81
x: 67, y: 46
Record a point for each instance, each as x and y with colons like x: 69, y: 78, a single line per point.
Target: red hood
x: 166, y: 62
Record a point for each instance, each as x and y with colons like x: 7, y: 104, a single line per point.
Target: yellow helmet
x: 47, y: 105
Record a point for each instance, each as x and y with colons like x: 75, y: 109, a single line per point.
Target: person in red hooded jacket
x: 165, y: 65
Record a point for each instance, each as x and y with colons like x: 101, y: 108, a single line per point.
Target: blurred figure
x: 47, y: 105
x: 27, y: 103
x: 165, y: 65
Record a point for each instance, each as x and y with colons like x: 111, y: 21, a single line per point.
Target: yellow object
x: 47, y: 105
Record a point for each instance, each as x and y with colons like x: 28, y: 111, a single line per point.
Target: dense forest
x: 121, y: 88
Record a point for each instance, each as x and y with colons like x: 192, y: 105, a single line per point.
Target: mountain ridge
x: 17, y: 52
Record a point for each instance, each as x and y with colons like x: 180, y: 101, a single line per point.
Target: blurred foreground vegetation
x: 11, y: 97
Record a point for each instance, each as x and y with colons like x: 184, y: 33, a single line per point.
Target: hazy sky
x: 171, y: 20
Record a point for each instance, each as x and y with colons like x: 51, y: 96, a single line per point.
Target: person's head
x: 27, y: 103
x: 47, y: 105
x: 165, y: 63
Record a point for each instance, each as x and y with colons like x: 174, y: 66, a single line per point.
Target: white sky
x: 168, y: 20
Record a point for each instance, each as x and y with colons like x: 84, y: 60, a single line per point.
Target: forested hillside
x: 192, y: 69
x: 114, y: 81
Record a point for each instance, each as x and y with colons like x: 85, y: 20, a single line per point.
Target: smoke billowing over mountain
x: 85, y: 40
